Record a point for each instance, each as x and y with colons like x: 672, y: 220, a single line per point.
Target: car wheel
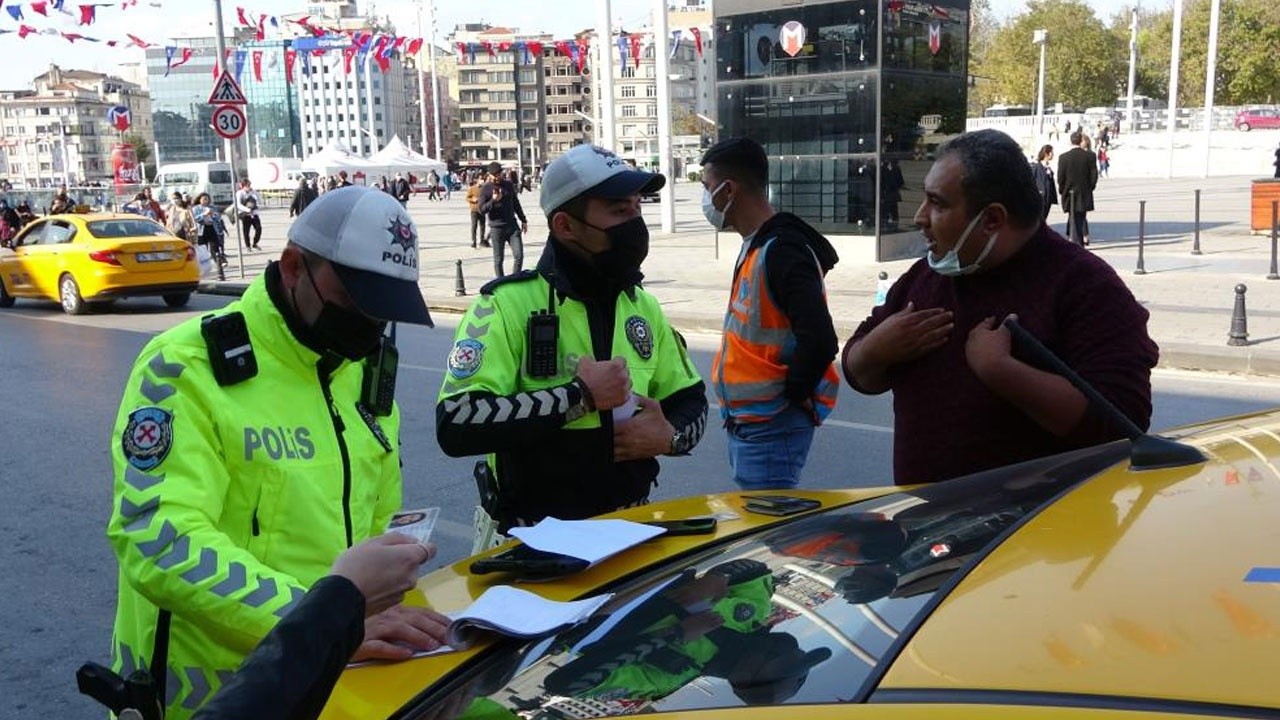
x: 1243, y: 127
x: 176, y: 300
x: 69, y: 293
x: 6, y: 300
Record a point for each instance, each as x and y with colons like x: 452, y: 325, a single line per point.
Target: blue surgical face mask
x: 949, y: 264
x: 709, y: 211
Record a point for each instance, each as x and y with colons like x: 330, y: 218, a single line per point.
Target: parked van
x: 1008, y: 111
x: 191, y: 179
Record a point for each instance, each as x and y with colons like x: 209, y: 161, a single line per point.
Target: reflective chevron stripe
x: 138, y: 517
x: 200, y: 689
x: 477, y: 410
x: 204, y: 569
x: 482, y: 311
x: 475, y: 332
x: 171, y: 686
x: 154, y: 547
x: 265, y: 592
x: 295, y: 596
x: 162, y: 369
x: 157, y: 393
x: 139, y: 480
x: 235, y: 581
x: 179, y: 553
x: 127, y: 663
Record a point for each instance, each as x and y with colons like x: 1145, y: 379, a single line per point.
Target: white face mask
x: 709, y: 211
x: 949, y: 264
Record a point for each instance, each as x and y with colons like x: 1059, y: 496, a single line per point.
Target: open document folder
x: 590, y: 540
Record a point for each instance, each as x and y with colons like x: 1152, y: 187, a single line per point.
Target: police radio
x: 230, y: 352
x: 544, y: 337
x: 378, y: 392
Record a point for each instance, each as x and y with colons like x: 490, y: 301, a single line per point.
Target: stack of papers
x: 518, y: 614
x: 590, y: 540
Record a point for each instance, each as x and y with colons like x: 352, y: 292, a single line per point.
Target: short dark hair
x: 741, y: 159
x: 494, y: 168
x: 575, y: 207
x: 1077, y: 137
x: 995, y: 171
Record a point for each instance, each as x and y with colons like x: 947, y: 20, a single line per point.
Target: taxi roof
x: 1134, y: 584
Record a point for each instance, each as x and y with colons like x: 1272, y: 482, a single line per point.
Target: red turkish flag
x: 584, y: 45
x: 138, y: 41
x: 290, y: 57
x: 635, y: 50
x: 186, y: 55
x: 261, y: 33
x: 257, y: 65
x: 414, y: 46
x: 348, y: 55
x: 41, y: 7
x: 25, y: 30
x: 697, y: 39
x: 241, y: 17
x: 88, y: 13
x: 535, y: 48
x: 488, y: 47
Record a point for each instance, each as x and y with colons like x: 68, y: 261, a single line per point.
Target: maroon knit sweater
x: 946, y: 422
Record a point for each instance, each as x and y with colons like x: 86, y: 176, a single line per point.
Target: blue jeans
x: 770, y: 455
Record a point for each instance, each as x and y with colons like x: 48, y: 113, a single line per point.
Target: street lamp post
x: 1040, y: 38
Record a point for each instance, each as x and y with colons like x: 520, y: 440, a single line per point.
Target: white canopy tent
x: 400, y: 157
x: 335, y: 158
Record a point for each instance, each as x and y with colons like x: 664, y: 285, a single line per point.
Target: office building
x: 58, y: 131
x: 848, y: 131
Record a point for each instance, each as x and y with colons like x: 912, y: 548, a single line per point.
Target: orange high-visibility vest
x: 757, y: 347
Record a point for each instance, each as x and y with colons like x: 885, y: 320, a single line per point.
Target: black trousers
x: 477, y: 221
x: 1078, y: 226
x: 500, y: 234
x: 248, y: 222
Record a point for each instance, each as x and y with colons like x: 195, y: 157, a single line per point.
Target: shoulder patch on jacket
x: 521, y: 276
x: 147, y: 437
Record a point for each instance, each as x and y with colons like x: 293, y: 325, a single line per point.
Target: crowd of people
x: 226, y: 518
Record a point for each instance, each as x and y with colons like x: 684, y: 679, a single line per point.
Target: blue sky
x: 159, y: 21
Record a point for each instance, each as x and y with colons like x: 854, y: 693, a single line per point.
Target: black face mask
x: 628, y: 247
x: 348, y: 333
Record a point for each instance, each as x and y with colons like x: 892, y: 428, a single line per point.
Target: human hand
x: 383, y: 568
x: 524, y: 228
x: 647, y: 434
x: 695, y: 626
x: 608, y: 381
x: 989, y: 346
x: 909, y: 334
x: 398, y: 632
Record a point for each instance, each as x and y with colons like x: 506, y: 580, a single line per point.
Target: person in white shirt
x: 247, y: 202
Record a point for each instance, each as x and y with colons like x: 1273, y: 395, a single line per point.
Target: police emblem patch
x: 465, y: 358
x: 640, y: 335
x: 743, y: 612
x: 147, y: 437
x: 402, y: 234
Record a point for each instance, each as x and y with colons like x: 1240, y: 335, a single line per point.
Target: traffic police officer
x: 249, y: 452
x: 569, y: 376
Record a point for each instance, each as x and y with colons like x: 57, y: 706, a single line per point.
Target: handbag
x: 205, y: 258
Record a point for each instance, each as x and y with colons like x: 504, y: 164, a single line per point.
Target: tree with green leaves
x: 1087, y: 63
x: 1247, y: 72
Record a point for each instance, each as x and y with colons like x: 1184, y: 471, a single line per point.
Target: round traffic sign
x: 229, y: 121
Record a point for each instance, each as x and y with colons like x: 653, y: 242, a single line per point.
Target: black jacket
x: 1078, y: 172
x: 795, y: 282
x: 504, y: 211
x: 302, y: 197
x: 292, y: 671
x: 1045, y: 184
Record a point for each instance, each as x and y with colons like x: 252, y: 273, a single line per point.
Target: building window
x: 628, y: 91
x: 628, y: 111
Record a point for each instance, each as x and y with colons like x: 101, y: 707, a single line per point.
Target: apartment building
x: 58, y: 131
x: 568, y: 98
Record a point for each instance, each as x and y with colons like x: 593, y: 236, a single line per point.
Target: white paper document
x: 518, y: 613
x: 590, y: 540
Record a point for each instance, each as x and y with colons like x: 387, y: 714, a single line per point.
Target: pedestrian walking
x: 1042, y: 173
x: 210, y: 231
x: 246, y: 205
x: 1077, y: 178
x: 401, y: 190
x: 1104, y: 161
x: 303, y: 196
x: 477, y: 217
x: 501, y: 206
x: 432, y: 181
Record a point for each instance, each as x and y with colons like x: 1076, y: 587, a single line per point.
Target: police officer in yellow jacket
x: 569, y: 376
x: 248, y: 453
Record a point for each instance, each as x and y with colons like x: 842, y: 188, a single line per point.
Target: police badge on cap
x: 640, y: 335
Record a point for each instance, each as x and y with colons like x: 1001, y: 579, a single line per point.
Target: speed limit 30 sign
x: 229, y: 121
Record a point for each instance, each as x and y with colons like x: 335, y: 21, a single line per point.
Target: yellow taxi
x: 79, y: 260
x: 1133, y: 579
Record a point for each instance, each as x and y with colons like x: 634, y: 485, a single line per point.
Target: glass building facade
x: 181, y: 114
x: 849, y: 99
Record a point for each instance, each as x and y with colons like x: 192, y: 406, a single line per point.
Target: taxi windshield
x: 801, y: 613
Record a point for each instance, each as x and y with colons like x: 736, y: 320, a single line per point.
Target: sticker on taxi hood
x: 147, y: 437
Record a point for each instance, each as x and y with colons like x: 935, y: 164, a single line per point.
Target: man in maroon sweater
x: 964, y: 399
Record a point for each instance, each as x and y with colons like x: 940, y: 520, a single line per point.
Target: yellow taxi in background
x: 78, y: 260
x: 1132, y: 579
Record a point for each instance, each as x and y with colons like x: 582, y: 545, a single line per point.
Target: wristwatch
x: 679, y: 443
x: 583, y: 406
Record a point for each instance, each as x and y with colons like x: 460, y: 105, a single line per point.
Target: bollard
x: 459, y: 286
x: 1239, y: 335
x: 1142, y: 236
x: 1195, y: 243
x: 1275, y: 227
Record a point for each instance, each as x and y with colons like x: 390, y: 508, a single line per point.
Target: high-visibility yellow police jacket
x: 230, y: 501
